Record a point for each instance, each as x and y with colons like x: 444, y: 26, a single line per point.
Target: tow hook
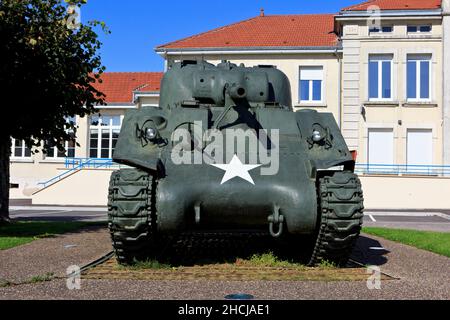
x: 276, y: 219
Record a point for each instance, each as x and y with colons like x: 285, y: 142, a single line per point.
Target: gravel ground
x: 423, y: 275
x: 217, y: 290
x: 54, y: 255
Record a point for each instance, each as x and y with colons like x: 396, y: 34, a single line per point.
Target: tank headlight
x: 317, y: 136
x: 151, y: 133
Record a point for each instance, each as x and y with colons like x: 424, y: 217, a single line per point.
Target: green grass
x: 5, y: 283
x: 325, y: 264
x: 20, y: 233
x: 269, y: 260
x: 437, y: 242
x: 42, y: 278
x: 148, y: 264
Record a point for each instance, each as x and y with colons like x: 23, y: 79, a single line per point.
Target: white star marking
x: 236, y: 169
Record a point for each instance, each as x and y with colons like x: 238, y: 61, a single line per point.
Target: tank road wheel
x: 340, y: 205
x: 131, y: 214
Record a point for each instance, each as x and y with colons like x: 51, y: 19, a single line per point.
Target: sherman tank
x: 225, y: 152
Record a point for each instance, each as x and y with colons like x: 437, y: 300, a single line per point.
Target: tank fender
x: 135, y: 147
x: 323, y: 140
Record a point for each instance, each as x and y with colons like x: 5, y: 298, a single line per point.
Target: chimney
x: 262, y: 12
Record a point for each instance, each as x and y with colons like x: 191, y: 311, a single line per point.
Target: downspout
x: 339, y: 120
x: 446, y: 82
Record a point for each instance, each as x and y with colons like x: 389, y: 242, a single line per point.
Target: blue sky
x: 138, y: 26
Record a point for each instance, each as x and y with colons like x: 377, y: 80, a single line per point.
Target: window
x: 419, y: 147
x: 311, y: 84
x: 104, y: 133
x: 419, y: 29
x: 384, y: 29
x: 418, y: 78
x: 380, y: 77
x: 69, y: 146
x: 19, y: 149
x: 380, y: 147
x: 69, y: 152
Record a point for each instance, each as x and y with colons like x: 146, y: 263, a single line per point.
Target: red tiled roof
x: 397, y: 5
x: 118, y: 87
x: 315, y: 30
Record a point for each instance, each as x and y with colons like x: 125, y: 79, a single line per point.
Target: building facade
x: 96, y: 135
x: 378, y: 66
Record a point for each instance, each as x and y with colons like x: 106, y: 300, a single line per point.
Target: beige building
x: 96, y: 136
x: 377, y: 66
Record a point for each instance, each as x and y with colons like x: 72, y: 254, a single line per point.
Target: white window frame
x: 417, y: 58
x: 99, y: 127
x: 56, y: 151
x: 66, y: 145
x: 380, y: 58
x: 13, y: 150
x: 311, y: 94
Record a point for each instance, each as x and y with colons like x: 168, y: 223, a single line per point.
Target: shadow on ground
x: 369, y: 251
x: 44, y: 228
x: 190, y: 250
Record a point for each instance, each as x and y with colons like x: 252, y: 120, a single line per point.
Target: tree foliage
x: 47, y: 73
x: 48, y: 69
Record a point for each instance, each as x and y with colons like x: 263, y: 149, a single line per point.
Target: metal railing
x: 403, y: 169
x: 89, y: 163
x: 76, y: 164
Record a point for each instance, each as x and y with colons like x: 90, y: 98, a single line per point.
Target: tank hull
x: 236, y: 204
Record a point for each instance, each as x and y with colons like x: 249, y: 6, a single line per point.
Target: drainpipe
x: 446, y: 81
x: 339, y: 120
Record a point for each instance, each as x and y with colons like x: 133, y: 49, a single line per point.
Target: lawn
x: 19, y: 233
x: 437, y: 242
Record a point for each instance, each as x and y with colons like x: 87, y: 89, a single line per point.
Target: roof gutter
x: 141, y: 94
x: 246, y: 50
x: 116, y: 105
x: 390, y: 13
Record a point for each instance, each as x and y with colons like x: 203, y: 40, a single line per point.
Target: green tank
x: 225, y: 152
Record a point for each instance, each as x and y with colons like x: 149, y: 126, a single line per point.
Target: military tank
x: 225, y: 152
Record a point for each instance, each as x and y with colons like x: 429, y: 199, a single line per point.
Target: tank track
x: 340, y: 204
x: 131, y: 214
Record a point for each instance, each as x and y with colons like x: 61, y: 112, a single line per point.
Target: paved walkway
x: 423, y: 275
x: 438, y: 220
x: 53, y: 255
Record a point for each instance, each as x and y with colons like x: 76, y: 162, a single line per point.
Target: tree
x: 48, y: 69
